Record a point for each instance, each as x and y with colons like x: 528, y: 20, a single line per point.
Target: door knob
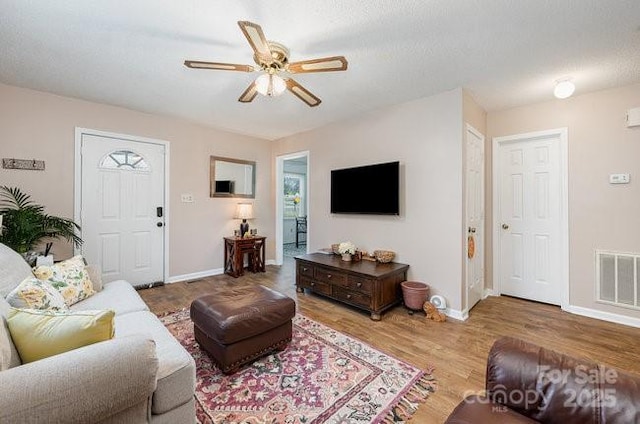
x: 505, y: 226
x: 159, y: 224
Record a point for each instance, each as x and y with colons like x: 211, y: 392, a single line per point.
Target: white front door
x: 123, y: 208
x: 475, y: 216
x: 529, y: 172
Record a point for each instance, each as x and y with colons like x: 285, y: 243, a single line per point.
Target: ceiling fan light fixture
x: 564, y: 88
x: 270, y: 85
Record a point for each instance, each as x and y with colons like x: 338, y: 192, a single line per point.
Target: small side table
x: 235, y: 249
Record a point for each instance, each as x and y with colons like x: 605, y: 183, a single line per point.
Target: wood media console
x: 368, y: 285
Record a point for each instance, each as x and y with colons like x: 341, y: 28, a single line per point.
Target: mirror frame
x: 212, y: 177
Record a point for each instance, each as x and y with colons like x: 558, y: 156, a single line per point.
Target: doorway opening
x: 292, y: 205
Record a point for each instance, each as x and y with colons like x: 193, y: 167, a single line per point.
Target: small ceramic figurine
x: 433, y: 312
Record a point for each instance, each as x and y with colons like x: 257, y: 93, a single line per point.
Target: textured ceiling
x: 130, y: 53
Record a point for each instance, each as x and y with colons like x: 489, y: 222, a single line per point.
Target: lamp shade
x: 244, y: 211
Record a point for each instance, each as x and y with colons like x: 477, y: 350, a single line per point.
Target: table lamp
x: 244, y: 211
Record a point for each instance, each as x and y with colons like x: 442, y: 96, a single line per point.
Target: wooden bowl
x: 384, y: 256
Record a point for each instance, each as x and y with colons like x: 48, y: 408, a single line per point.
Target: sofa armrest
x: 85, y: 385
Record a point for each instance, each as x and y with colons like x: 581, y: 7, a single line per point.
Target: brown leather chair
x: 526, y: 383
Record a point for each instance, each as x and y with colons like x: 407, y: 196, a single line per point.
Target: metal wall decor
x: 27, y: 164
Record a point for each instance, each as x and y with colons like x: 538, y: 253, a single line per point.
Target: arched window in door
x: 125, y: 160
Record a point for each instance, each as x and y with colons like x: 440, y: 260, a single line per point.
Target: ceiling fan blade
x: 257, y: 40
x: 194, y: 64
x: 249, y: 94
x: 302, y: 93
x: 326, y: 64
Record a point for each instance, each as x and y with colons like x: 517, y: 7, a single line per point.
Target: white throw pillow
x: 32, y: 293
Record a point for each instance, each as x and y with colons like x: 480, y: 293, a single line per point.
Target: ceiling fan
x: 273, y: 59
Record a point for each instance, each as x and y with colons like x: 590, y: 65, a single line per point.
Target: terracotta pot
x: 414, y: 294
x: 346, y: 257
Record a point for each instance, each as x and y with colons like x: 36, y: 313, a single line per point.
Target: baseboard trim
x: 489, y: 292
x: 604, y: 316
x: 195, y: 275
x: 456, y: 314
x: 206, y: 273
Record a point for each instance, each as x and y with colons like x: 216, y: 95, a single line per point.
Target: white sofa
x: 142, y: 375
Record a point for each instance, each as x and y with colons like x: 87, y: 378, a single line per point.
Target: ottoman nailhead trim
x: 253, y: 356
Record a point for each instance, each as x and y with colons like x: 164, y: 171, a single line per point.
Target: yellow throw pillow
x: 39, y: 334
x: 36, y: 294
x: 68, y: 277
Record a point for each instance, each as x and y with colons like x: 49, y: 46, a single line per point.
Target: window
x: 294, y: 195
x: 124, y: 159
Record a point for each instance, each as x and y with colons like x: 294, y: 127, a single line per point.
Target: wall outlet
x: 186, y: 198
x: 619, y: 179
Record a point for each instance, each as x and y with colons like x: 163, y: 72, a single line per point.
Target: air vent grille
x: 617, y: 278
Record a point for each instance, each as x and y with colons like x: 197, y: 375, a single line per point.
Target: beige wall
x: 41, y: 126
x: 473, y: 114
x: 601, y: 215
x: 425, y: 136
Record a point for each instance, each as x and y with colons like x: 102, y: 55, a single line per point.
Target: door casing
x: 280, y: 200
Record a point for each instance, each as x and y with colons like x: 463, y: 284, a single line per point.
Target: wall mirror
x: 232, y: 177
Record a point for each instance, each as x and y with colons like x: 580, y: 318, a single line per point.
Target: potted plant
x: 25, y: 224
x: 346, y: 249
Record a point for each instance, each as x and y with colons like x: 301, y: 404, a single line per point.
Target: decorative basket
x: 384, y: 256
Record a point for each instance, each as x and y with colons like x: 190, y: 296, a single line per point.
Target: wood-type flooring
x: 457, y: 350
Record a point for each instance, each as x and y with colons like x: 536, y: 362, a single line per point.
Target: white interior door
x: 123, y: 208
x: 529, y: 227
x: 475, y: 216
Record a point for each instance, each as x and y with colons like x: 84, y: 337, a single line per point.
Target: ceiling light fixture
x: 564, y: 88
x: 270, y: 85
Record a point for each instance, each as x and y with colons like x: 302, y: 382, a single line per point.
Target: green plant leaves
x: 25, y: 224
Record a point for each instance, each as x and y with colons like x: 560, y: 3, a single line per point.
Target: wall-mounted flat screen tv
x: 372, y: 189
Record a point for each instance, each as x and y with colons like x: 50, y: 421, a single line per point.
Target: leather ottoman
x: 239, y: 325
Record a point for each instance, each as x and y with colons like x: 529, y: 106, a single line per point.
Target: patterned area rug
x: 323, y: 376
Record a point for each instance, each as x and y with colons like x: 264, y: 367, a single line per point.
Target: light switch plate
x: 633, y: 117
x: 186, y: 198
x: 619, y: 178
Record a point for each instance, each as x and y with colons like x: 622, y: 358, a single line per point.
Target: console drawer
x: 352, y: 297
x: 305, y: 269
x: 329, y: 276
x: 360, y: 284
x: 316, y: 286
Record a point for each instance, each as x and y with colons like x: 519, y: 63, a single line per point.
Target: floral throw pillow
x: 33, y: 293
x: 68, y: 277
